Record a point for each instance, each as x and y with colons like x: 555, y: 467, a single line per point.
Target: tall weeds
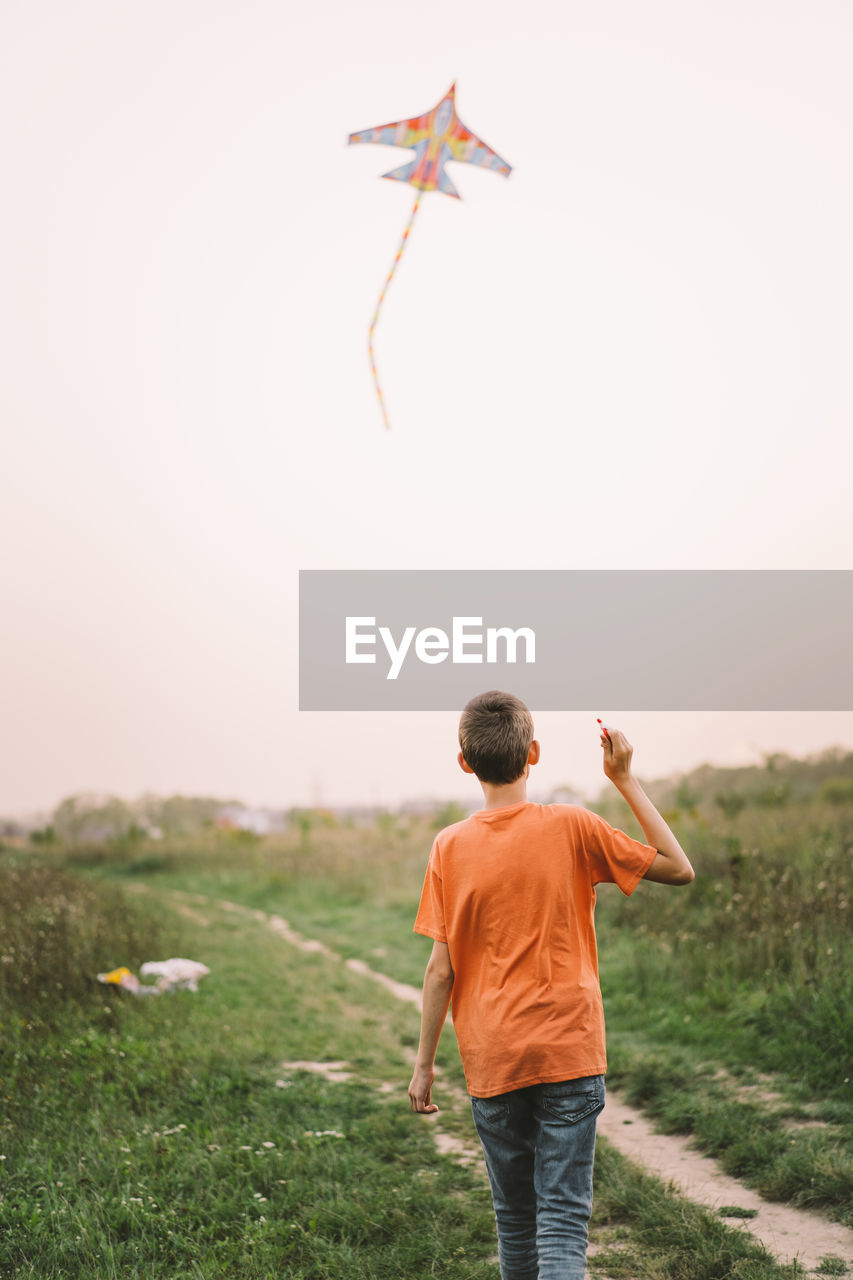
x: 57, y: 932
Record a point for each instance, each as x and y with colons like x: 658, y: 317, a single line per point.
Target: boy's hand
x: 617, y: 755
x: 419, y: 1090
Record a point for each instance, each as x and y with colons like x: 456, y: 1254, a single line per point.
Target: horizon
x: 470, y: 801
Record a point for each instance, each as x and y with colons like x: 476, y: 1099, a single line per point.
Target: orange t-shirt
x: 512, y: 893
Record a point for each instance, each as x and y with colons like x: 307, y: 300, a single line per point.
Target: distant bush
x: 685, y: 796
x: 774, y: 797
x: 43, y: 836
x: 837, y: 790
x: 730, y: 802
x: 449, y: 814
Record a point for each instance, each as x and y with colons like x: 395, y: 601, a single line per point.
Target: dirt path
x: 785, y: 1232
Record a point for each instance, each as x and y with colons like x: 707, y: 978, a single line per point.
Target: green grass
x: 708, y: 989
x: 765, y: 1140
x: 742, y: 971
x: 665, y: 1236
x: 750, y: 962
x: 830, y: 1265
x: 148, y: 1138
x: 136, y: 1133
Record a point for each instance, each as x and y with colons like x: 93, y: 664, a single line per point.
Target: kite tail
x: 379, y: 307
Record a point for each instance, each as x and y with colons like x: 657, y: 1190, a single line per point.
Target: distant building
x: 261, y: 822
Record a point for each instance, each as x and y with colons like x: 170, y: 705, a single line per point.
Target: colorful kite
x: 435, y: 137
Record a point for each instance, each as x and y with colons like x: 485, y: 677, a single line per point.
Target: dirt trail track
x: 785, y: 1232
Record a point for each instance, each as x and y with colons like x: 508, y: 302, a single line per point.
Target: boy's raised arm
x: 671, y: 866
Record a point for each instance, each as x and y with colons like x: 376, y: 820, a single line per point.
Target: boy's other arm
x: 671, y: 865
x: 438, y: 988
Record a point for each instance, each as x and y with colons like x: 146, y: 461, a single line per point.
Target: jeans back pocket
x: 491, y: 1111
x: 573, y: 1100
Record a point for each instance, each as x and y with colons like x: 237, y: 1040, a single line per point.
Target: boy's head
x: 495, y: 735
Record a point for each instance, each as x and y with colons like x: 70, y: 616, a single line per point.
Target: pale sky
x: 633, y: 353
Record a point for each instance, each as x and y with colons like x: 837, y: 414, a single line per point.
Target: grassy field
x: 163, y: 1137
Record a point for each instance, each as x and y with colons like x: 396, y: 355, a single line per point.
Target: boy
x: 508, y: 900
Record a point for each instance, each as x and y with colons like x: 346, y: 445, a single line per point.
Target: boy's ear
x: 463, y: 764
x: 533, y: 753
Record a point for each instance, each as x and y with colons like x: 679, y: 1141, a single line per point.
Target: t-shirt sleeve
x: 614, y: 857
x: 430, y: 917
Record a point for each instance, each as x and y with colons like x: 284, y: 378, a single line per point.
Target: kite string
x: 379, y: 307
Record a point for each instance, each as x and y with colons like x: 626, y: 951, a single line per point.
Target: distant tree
x: 774, y: 797
x: 43, y: 835
x: 731, y: 802
x: 181, y: 815
x: 90, y: 819
x: 735, y: 852
x: 302, y: 819
x: 685, y: 798
x: 772, y: 760
x: 836, y: 791
x: 386, y: 823
x: 448, y: 814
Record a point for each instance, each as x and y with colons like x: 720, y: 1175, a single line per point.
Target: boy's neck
x: 503, y: 797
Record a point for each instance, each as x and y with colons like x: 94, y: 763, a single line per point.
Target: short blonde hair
x: 495, y: 733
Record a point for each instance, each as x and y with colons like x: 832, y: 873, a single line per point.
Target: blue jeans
x: 539, y: 1144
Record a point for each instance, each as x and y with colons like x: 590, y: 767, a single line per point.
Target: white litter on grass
x: 172, y: 975
x: 175, y: 974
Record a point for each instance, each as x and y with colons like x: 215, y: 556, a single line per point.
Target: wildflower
x: 268, y: 1144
